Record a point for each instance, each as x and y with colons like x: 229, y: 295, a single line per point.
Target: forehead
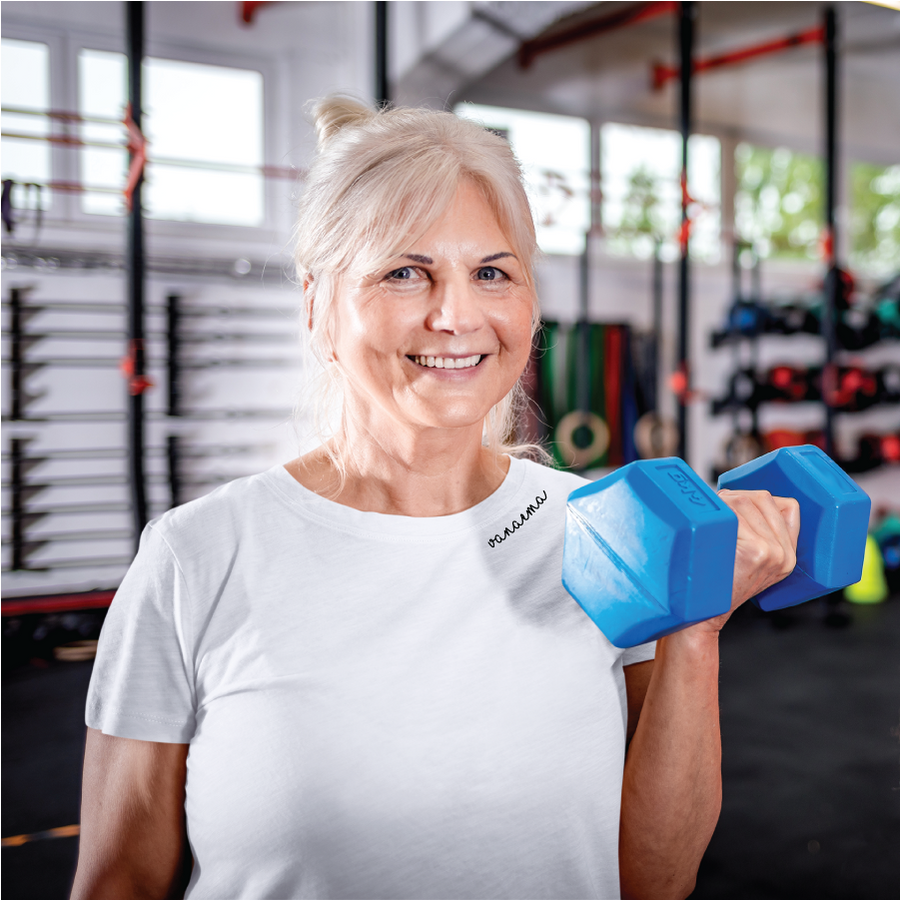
x: 468, y: 221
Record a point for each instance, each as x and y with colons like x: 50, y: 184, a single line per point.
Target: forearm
x: 672, y: 787
x: 133, y: 841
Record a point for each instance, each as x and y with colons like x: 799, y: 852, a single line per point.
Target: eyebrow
x: 428, y: 261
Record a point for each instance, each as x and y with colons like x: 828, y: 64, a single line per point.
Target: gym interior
x: 719, y: 278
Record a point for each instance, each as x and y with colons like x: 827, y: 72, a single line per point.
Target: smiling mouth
x: 447, y: 362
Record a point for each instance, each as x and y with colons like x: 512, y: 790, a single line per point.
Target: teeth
x: 440, y: 362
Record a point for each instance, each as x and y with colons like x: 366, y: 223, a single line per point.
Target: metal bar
x: 202, y: 415
x: 249, y: 337
x: 583, y: 370
x: 81, y: 562
x: 172, y: 358
x: 197, y: 312
x: 61, y: 115
x: 173, y: 448
x: 662, y: 73
x: 79, y: 536
x: 656, y: 333
x: 249, y: 8
x: 830, y: 133
x: 24, y: 606
x: 90, y: 455
x: 75, y: 481
x: 50, y: 455
x: 135, y: 274
x: 77, y: 509
x: 382, y: 86
x: 686, y: 20
x: 833, y: 282
x: 640, y: 12
x: 18, y: 505
x: 176, y: 162
x: 15, y: 356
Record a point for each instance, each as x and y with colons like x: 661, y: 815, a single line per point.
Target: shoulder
x: 221, y: 514
x: 557, y: 483
x: 538, y: 493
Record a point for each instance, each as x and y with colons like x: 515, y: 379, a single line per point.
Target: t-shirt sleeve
x: 142, y: 685
x: 641, y: 653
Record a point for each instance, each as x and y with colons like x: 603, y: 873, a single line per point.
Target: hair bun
x: 336, y: 112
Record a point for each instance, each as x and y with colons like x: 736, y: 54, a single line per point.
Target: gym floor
x: 811, y: 734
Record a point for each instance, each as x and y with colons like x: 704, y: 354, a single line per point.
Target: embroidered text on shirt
x: 530, y: 510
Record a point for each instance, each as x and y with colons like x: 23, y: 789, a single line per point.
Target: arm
x: 672, y: 788
x: 133, y: 842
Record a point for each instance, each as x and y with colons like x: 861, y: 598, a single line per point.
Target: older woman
x: 333, y: 679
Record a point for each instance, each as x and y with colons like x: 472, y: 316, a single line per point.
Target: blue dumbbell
x: 650, y: 549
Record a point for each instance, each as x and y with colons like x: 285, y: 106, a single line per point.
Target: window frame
x: 65, y: 208
x: 59, y: 203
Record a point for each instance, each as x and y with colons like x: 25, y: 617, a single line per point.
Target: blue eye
x: 403, y: 274
x: 490, y: 273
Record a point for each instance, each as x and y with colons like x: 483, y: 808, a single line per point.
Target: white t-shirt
x: 377, y: 706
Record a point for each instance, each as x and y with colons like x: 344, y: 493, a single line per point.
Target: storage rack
x: 67, y: 505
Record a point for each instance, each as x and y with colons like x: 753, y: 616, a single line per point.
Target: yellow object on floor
x: 872, y: 587
x: 19, y: 839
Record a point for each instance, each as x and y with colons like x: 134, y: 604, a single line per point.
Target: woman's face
x: 443, y: 332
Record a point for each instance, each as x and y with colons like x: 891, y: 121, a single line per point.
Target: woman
x: 347, y: 677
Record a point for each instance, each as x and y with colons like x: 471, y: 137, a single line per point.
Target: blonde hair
x: 379, y: 181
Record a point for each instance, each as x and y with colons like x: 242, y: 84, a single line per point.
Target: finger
x: 790, y: 512
x: 765, y: 541
x: 782, y: 514
x: 758, y: 511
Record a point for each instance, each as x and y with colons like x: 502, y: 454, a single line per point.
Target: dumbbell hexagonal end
x: 834, y: 519
x: 649, y: 550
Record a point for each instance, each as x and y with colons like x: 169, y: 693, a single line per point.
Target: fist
x: 766, y: 544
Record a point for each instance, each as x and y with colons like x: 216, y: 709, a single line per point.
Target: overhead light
x: 887, y: 3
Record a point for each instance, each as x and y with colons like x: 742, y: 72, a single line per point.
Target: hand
x: 766, y: 545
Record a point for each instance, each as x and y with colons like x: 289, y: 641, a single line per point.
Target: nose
x: 457, y: 308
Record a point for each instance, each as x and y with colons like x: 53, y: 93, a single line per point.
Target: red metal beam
x: 25, y: 606
x: 631, y: 15
x: 248, y: 9
x: 663, y: 73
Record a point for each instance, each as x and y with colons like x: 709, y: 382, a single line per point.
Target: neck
x: 434, y: 472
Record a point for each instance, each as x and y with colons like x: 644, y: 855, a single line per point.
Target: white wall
x: 304, y: 50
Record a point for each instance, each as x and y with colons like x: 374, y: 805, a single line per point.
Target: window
x: 875, y: 219
x: 640, y: 170
x: 204, y: 125
x: 554, y: 152
x: 26, y: 87
x: 778, y: 206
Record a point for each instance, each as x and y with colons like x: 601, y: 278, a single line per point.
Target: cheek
x: 518, y: 328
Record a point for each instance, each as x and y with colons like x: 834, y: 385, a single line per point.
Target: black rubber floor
x: 811, y: 757
x: 811, y: 734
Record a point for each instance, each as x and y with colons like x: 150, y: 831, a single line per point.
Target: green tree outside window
x: 875, y: 219
x: 778, y: 203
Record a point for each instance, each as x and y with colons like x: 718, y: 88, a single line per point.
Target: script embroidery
x: 530, y: 510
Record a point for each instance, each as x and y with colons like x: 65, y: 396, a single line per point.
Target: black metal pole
x: 583, y: 372
x: 382, y: 88
x: 833, y: 283
x: 686, y: 19
x: 173, y: 342
x: 135, y: 269
x: 17, y: 485
x: 173, y: 459
x: 656, y: 332
x: 16, y: 346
